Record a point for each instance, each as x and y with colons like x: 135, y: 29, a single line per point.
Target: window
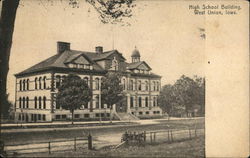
x: 146, y: 85
x: 27, y: 102
x: 39, y: 116
x: 28, y: 84
x: 44, y: 82
x: 86, y: 115
x: 131, y: 102
x: 157, y: 86
x: 86, y: 79
x: 154, y: 101
x: 139, y: 100
x: 97, y: 82
x: 124, y: 83
x: 108, y: 115
x: 139, y: 85
x: 40, y: 102
x: 32, y: 117
x: 20, y: 102
x: 58, y: 117
x: 35, y: 83
x: 24, y: 85
x: 132, y: 113
x: 40, y: 82
x: 44, y: 117
x: 140, y: 113
x: 23, y: 102
x: 77, y: 116
x: 20, y: 85
x: 131, y: 85
x: 35, y: 102
x: 147, y: 112
x: 44, y: 102
x: 146, y: 101
x: 154, y: 85
x: 97, y: 115
x: 58, y: 81
x: 102, y: 114
x: 97, y: 102
x: 64, y: 116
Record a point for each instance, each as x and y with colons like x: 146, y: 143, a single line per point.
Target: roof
x: 60, y: 61
x: 136, y: 53
x: 137, y: 64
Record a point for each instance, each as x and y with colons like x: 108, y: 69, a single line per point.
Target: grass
x: 194, y: 148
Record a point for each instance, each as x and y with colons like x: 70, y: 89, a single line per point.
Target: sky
x: 166, y: 34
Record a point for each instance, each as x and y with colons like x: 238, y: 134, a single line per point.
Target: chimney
x: 62, y: 46
x: 99, y: 49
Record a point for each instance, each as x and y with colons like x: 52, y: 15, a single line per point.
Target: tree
x: 110, y: 11
x: 73, y: 93
x: 111, y: 90
x: 185, y: 95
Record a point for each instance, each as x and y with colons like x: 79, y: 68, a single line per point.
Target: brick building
x: 36, y: 87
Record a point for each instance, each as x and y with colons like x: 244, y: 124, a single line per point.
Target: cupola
x: 135, y: 55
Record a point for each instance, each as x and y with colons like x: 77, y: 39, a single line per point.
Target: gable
x: 81, y: 60
x: 143, y: 66
x: 117, y: 55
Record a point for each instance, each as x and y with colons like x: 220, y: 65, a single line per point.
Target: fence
x: 50, y: 146
x: 162, y: 136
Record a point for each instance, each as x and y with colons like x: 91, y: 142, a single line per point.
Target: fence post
x: 168, y: 136
x: 75, y: 143
x: 90, y: 142
x: 144, y: 136
x: 49, y: 148
x: 171, y: 136
x: 150, y: 137
x: 190, y: 136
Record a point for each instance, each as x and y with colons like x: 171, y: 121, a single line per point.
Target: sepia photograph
x: 106, y: 78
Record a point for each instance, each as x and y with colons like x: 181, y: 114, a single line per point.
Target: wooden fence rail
x: 49, y: 146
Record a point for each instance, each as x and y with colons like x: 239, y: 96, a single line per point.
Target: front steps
x: 126, y: 116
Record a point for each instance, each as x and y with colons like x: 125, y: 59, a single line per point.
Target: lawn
x: 194, y: 148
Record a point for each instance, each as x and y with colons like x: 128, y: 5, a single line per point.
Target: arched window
x: 86, y: 79
x: 20, y: 85
x: 24, y: 85
x: 35, y: 83
x: 97, y: 82
x: 27, y: 102
x: 40, y: 102
x: 97, y: 102
x: 20, y: 102
x: 146, y: 101
x: 28, y: 84
x: 131, y: 102
x: 58, y: 81
x: 154, y: 85
x: 146, y: 85
x: 131, y: 85
x: 44, y: 82
x: 35, y: 100
x: 23, y: 102
x: 139, y: 100
x: 154, y: 101
x: 44, y: 102
x: 124, y: 83
x: 139, y: 85
x: 40, y: 82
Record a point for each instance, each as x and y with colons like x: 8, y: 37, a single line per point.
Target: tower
x: 135, y: 56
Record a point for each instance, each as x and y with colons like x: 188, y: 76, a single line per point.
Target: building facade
x: 36, y: 87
